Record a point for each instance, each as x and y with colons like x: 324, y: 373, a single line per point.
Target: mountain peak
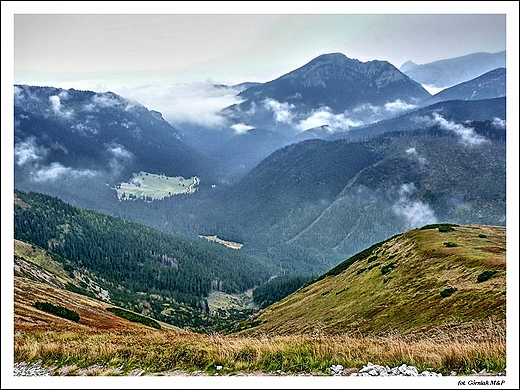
x: 332, y: 59
x: 407, y: 66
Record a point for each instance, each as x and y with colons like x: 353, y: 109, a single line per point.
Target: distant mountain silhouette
x: 488, y: 86
x: 449, y: 72
x: 331, y: 82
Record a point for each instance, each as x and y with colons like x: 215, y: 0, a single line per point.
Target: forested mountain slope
x: 132, y: 263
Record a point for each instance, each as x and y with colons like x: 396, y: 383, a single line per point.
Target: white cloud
x: 414, y: 212
x: 29, y: 155
x: 413, y: 152
x: 398, y: 106
x: 28, y: 152
x: 57, y: 107
x: 118, y: 151
x: 324, y: 117
x: 499, y: 123
x: 241, y: 128
x: 63, y: 95
x: 467, y: 134
x: 119, y: 157
x: 379, y: 112
x: 106, y: 100
x: 56, y: 171
x: 195, y: 103
x: 282, y: 111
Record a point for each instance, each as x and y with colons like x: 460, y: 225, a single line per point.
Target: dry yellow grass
x: 161, y: 352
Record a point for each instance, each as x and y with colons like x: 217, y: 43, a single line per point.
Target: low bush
x: 448, y: 291
x: 486, y: 275
x: 450, y: 244
x: 387, y: 268
x: 134, y: 317
x: 443, y: 227
x: 60, y: 311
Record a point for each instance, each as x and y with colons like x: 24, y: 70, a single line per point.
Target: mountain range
x: 449, y: 72
x: 331, y: 83
x: 342, y: 215
x: 301, y: 203
x: 338, y: 154
x: 490, y: 85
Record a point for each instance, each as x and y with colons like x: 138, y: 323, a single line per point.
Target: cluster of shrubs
x: 486, y: 275
x: 60, y: 311
x: 387, y: 268
x: 450, y: 244
x: 443, y: 227
x: 134, y: 317
x: 448, y: 291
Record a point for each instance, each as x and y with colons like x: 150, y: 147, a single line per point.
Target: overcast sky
x: 105, y: 50
x: 167, y: 55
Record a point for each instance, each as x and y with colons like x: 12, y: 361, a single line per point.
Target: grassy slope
x: 362, y: 300
x: 39, y: 278
x: 104, y: 344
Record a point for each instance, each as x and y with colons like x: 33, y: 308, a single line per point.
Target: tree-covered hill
x: 130, y: 259
x: 335, y: 198
x: 309, y: 205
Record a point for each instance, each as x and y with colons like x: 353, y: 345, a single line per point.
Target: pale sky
x: 108, y: 49
x: 167, y: 55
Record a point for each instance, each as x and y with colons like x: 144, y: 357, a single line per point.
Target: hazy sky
x: 167, y: 55
x: 105, y: 50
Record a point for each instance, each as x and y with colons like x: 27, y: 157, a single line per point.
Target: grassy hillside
x: 303, y: 334
x: 39, y: 278
x: 423, y: 281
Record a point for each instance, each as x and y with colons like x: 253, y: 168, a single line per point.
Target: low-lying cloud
x: 413, y: 152
x: 499, y: 123
x: 467, y: 135
x: 398, y: 106
x: 119, y: 157
x: 196, y: 103
x: 31, y: 157
x: 27, y: 151
x: 362, y: 114
x: 56, y: 171
x: 281, y: 111
x: 414, y: 212
x: 241, y: 128
x: 325, y: 117
x: 58, y: 108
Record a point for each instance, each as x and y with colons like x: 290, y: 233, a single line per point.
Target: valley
x: 338, y: 215
x: 282, y: 340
